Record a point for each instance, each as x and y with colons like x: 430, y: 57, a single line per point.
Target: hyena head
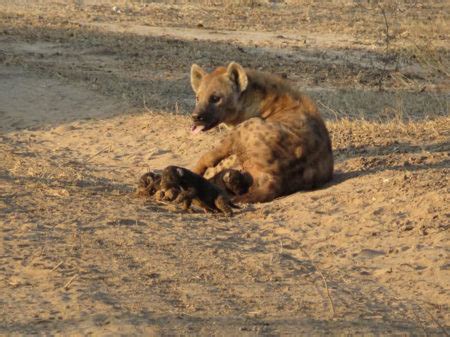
x: 217, y: 95
x: 171, y: 177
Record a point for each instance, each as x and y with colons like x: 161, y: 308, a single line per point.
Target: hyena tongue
x: 197, y: 128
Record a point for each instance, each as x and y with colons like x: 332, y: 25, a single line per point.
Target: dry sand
x: 86, y: 108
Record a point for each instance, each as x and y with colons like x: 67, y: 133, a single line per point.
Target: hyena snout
x: 203, y: 119
x: 198, y: 117
x: 202, y: 113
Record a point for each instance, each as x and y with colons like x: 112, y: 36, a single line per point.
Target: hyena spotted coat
x: 279, y: 137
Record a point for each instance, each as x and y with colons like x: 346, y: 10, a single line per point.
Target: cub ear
x: 197, y: 74
x: 237, y: 75
x: 180, y: 172
x: 226, y: 177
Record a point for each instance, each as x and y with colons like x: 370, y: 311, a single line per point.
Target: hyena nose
x: 197, y: 117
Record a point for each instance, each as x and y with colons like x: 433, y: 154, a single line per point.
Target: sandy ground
x: 90, y: 99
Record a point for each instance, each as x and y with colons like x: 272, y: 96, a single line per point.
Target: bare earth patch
x: 88, y: 104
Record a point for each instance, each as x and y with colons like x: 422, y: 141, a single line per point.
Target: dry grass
x: 82, y: 256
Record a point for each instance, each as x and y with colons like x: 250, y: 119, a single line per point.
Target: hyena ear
x: 180, y: 172
x: 226, y: 177
x: 237, y: 75
x: 197, y: 74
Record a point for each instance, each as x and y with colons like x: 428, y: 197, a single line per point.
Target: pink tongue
x: 197, y: 128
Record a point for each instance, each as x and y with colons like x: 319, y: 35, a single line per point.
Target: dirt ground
x: 93, y: 95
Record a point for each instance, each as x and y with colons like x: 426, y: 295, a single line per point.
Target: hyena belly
x: 260, y: 151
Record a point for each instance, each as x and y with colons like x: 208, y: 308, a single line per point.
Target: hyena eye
x: 214, y: 99
x: 197, y: 99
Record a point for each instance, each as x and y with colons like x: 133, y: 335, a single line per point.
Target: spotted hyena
x: 279, y: 138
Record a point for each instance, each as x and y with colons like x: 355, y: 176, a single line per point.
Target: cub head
x: 236, y: 182
x: 150, y: 183
x: 217, y: 95
x: 171, y: 177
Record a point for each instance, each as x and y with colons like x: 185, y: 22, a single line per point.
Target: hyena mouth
x: 197, y: 128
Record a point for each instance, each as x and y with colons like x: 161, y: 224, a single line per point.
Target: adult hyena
x: 279, y: 138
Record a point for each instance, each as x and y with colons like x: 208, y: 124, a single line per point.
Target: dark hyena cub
x: 232, y: 181
x: 191, y: 187
x: 149, y: 184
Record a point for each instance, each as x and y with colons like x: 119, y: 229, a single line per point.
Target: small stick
x: 323, y: 278
x: 67, y: 285
x: 327, y: 290
x: 435, y: 320
x: 160, y: 202
x: 420, y: 323
x: 332, y: 110
x: 146, y: 107
x: 99, y: 152
x: 56, y: 267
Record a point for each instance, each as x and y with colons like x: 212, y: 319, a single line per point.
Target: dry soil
x: 92, y: 96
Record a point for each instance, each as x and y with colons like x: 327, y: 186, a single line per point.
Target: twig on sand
x: 420, y: 322
x: 96, y: 154
x: 435, y: 320
x: 67, y: 285
x: 323, y: 279
x: 327, y: 290
x: 336, y: 114
x: 56, y: 267
x: 146, y: 107
x: 422, y: 308
x: 161, y: 202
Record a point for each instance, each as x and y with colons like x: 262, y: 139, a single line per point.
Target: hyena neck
x: 274, y: 95
x: 269, y: 97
